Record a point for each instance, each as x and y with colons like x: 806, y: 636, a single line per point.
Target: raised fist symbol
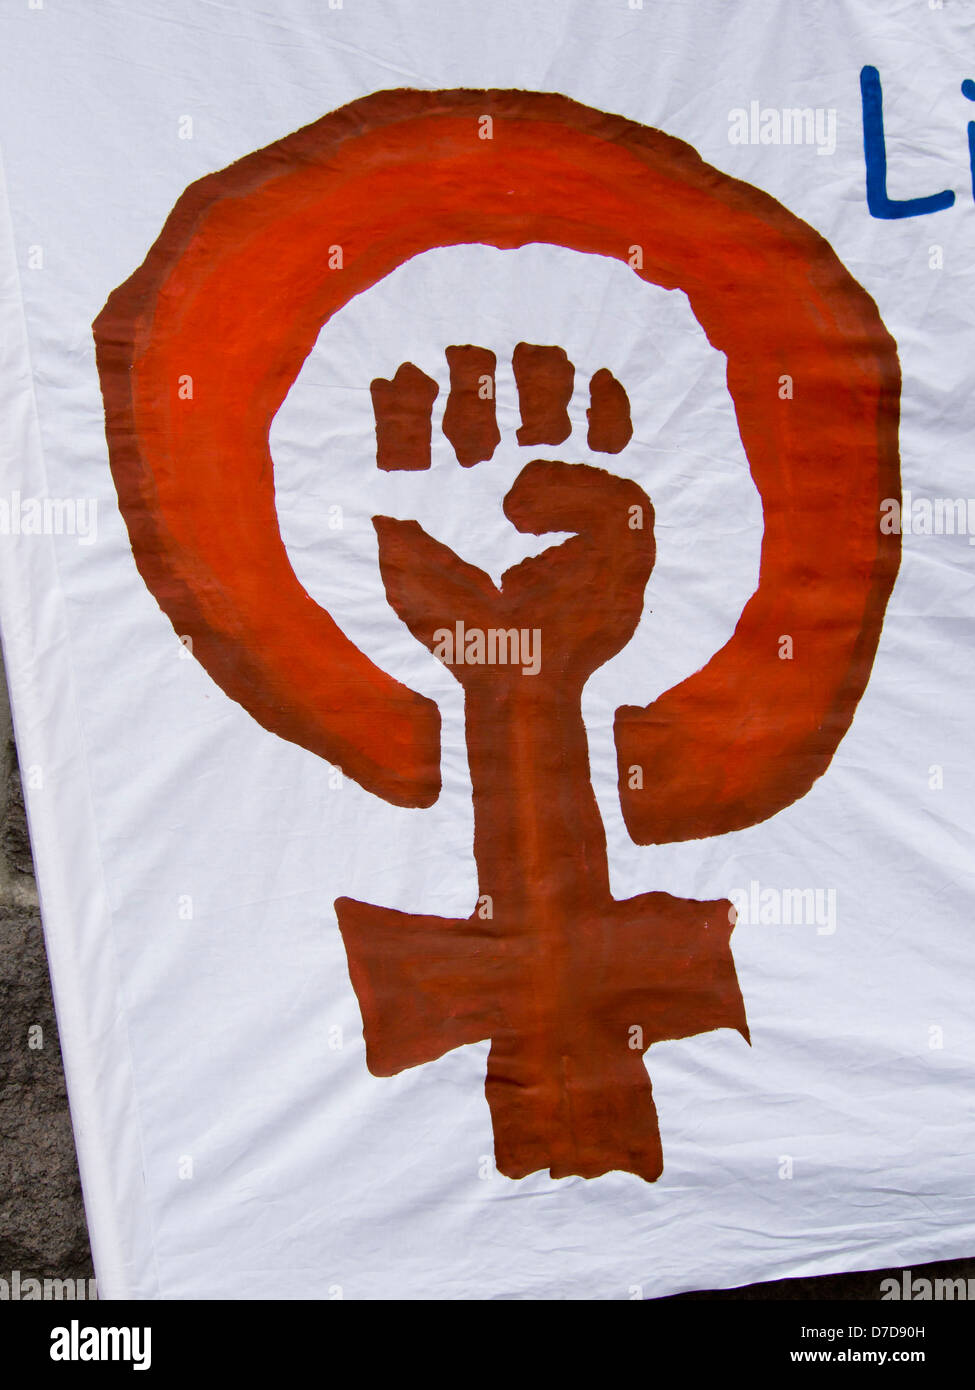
x: 584, y: 597
x: 565, y: 981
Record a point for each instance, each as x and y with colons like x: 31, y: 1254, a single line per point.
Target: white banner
x: 487, y: 552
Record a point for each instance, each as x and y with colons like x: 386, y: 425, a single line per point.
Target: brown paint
x: 403, y: 409
x: 470, y: 420
x: 561, y: 975
x: 610, y: 426
x: 544, y: 377
x: 553, y: 974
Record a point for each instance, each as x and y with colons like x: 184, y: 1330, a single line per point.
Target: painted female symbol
x: 390, y: 177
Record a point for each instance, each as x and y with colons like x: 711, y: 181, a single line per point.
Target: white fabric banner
x: 700, y: 776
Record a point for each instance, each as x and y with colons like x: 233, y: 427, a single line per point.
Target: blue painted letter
x: 875, y: 155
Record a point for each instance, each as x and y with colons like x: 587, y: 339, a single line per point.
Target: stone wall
x: 42, y: 1216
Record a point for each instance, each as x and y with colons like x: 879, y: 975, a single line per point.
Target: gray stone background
x: 42, y: 1217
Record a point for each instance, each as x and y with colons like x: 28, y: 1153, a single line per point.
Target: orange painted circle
x: 235, y: 291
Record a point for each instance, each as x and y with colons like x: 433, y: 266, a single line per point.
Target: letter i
x: 968, y: 90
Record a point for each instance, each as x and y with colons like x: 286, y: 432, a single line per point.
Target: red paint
x: 391, y: 176
x: 233, y: 296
